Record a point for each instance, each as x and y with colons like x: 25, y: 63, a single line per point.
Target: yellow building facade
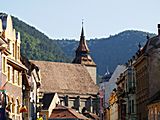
x: 11, y: 68
x: 113, y: 109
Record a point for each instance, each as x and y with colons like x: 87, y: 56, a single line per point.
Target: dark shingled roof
x: 65, y: 78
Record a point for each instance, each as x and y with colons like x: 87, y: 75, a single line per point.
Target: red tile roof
x: 63, y: 112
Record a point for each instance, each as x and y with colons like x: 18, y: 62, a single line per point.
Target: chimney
x: 158, y: 29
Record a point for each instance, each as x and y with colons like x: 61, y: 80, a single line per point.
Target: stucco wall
x: 93, y: 72
x: 55, y: 101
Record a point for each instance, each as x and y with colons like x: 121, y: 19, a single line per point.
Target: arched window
x: 17, y: 106
x: 8, y: 104
x: 13, y: 106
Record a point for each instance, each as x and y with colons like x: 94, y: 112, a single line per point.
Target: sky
x: 62, y: 19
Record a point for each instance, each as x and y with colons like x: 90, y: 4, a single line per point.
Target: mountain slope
x: 36, y: 45
x: 109, y: 52
x: 106, y: 52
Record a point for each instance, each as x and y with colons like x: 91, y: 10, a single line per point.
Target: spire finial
x: 82, y: 32
x: 82, y: 22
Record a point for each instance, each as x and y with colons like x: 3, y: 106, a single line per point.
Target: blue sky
x: 62, y: 18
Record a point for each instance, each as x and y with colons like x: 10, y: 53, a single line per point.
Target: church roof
x: 65, y: 78
x: 83, y: 47
x: 82, y: 52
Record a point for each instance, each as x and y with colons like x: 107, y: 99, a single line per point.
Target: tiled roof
x: 61, y: 112
x: 65, y: 78
x: 84, y: 60
x: 83, y: 47
x: 92, y: 116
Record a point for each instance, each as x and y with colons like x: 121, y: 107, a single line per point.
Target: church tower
x: 83, y: 56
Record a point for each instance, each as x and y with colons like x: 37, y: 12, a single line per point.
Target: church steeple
x: 82, y: 44
x: 82, y: 52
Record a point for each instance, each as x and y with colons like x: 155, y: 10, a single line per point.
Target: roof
x: 106, y: 76
x: 152, y: 43
x: 3, y: 17
x: 82, y: 44
x: 47, y: 99
x: 82, y: 52
x: 84, y: 60
x: 92, y: 116
x: 65, y: 78
x: 63, y: 112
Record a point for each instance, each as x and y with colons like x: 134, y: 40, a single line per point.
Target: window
x: 8, y: 44
x: 4, y: 64
x: 9, y: 73
x: 13, y: 49
x: 18, y: 52
x: 17, y: 107
x: 13, y: 75
x: 129, y: 106
x: 8, y: 103
x: 13, y: 106
x: 132, y: 106
x: 18, y: 79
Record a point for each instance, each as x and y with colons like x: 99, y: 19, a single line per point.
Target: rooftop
x: 65, y: 78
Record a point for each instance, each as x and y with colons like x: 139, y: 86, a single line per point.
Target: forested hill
x: 111, y: 51
x: 36, y: 45
x: 106, y: 52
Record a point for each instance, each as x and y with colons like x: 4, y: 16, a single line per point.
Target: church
x: 74, y: 83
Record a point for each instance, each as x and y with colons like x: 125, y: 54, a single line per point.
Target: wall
x: 55, y: 101
x: 13, y: 90
x: 93, y: 73
x: 154, y: 72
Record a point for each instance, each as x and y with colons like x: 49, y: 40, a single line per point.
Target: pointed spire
x: 82, y: 52
x: 106, y: 76
x: 82, y: 32
x: 107, y: 73
x: 83, y: 47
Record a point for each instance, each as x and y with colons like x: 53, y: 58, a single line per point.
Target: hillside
x: 109, y: 52
x: 36, y: 45
x: 106, y: 52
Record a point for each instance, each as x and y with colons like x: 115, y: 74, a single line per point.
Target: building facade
x: 147, y: 74
x: 113, y: 109
x: 142, y: 84
x: 154, y: 107
x: 31, y: 90
x: 11, y: 68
